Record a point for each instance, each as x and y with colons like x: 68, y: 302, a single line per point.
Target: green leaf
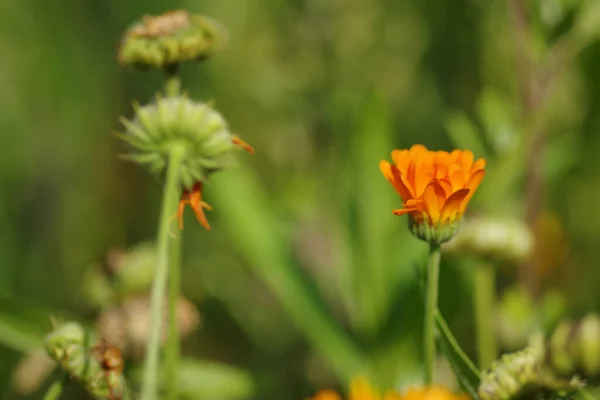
x: 466, y: 372
x: 208, y: 381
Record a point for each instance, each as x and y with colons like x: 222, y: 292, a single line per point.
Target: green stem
x: 433, y: 269
x: 55, y: 390
x: 484, y: 289
x: 172, y: 82
x: 159, y: 286
x: 172, y: 348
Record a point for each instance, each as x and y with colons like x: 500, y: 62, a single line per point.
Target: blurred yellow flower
x: 433, y: 393
x: 435, y: 187
x: 361, y: 389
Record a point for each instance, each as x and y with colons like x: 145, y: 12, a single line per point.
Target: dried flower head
x: 201, y: 133
x: 361, y: 389
x: 524, y: 372
x: 74, y: 350
x: 435, y: 187
x: 170, y: 39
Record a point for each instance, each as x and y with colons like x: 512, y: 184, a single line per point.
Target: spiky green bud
x: 170, y: 39
x: 523, y: 372
x: 200, y: 131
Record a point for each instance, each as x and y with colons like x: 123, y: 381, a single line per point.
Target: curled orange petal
x: 244, y: 145
x: 193, y: 198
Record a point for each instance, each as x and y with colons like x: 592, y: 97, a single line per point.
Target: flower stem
x: 433, y: 269
x: 172, y: 82
x: 172, y: 347
x: 483, y: 298
x: 159, y: 286
x: 55, y: 390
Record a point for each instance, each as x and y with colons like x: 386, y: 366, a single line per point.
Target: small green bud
x: 169, y: 39
x: 73, y: 349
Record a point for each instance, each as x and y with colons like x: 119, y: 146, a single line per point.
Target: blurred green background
x: 306, y: 277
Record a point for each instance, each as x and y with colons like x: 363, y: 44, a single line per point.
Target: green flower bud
x: 492, y: 238
x: 74, y: 350
x: 169, y: 39
x: 523, y: 372
x: 193, y: 128
x: 196, y: 127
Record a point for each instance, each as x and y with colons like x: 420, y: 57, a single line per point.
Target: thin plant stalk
x: 172, y: 82
x: 55, y: 390
x: 483, y: 298
x: 172, y: 348
x: 431, y: 301
x: 159, y: 286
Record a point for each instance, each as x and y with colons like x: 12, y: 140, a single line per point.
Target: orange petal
x: 402, y: 160
x: 386, y: 169
x: 402, y: 189
x: 244, y: 145
x: 402, y: 211
x: 472, y: 186
x: 477, y: 165
x: 423, y: 175
x: 326, y: 395
x: 392, y: 174
x: 434, y: 196
x: 458, y: 179
x: 466, y: 160
x: 416, y: 150
x: 452, y: 206
x: 413, y: 203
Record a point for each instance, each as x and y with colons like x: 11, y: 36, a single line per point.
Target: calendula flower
x: 361, y: 389
x: 197, y: 129
x: 435, y: 187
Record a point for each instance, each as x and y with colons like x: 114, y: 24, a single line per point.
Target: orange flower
x: 435, y: 186
x: 360, y: 389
